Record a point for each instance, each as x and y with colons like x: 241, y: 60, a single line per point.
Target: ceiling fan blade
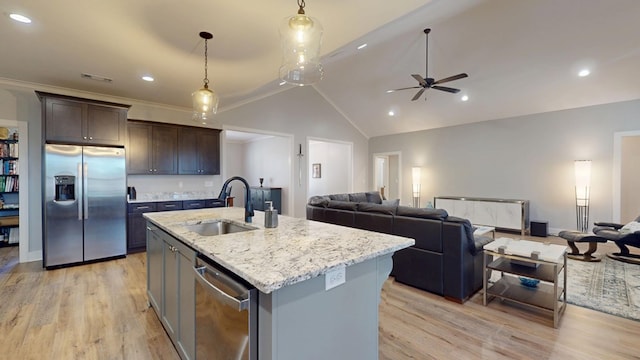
x: 406, y: 88
x: 447, y: 89
x: 420, y: 79
x: 418, y: 94
x: 451, y: 78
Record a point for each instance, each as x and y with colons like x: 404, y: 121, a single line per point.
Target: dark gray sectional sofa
x: 446, y: 258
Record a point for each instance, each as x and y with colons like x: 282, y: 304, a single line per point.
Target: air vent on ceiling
x: 96, y: 77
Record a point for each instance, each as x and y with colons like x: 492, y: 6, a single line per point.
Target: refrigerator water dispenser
x: 65, y: 188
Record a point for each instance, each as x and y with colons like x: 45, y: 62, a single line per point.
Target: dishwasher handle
x: 239, y: 303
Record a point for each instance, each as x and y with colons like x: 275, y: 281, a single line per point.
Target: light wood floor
x: 99, y: 311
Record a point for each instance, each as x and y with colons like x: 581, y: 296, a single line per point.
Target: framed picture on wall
x: 316, y: 171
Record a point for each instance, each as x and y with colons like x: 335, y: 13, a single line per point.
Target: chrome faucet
x: 248, y: 206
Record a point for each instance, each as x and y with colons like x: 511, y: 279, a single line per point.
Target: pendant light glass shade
x: 301, y: 38
x: 205, y: 104
x: 205, y: 100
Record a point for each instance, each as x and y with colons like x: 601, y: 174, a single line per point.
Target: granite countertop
x: 269, y: 259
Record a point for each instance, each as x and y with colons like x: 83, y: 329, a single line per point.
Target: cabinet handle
x: 150, y: 170
x: 84, y: 137
x: 90, y: 137
x: 142, y: 207
x: 169, y: 206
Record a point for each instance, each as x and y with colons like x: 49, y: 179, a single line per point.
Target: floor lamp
x: 583, y: 183
x: 416, y: 174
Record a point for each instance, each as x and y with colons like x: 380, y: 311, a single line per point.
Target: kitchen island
x: 295, y: 268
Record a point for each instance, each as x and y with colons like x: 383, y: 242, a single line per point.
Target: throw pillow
x: 377, y: 208
x: 339, y: 197
x: 630, y: 228
x: 435, y: 214
x: 358, y: 197
x: 319, y: 201
x: 373, y: 197
x: 342, y: 205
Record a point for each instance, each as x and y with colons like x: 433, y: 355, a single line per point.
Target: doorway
x: 387, y: 176
x: 626, y: 176
x: 254, y: 155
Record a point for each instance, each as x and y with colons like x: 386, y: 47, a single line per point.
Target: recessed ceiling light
x: 391, y: 113
x: 148, y: 78
x: 20, y: 18
x: 584, y: 72
x: 362, y: 46
x: 464, y: 98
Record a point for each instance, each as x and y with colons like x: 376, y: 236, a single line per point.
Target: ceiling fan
x: 430, y: 83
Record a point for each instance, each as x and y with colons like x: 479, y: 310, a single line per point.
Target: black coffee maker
x: 131, y: 191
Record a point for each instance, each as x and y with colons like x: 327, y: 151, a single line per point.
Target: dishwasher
x: 226, y: 315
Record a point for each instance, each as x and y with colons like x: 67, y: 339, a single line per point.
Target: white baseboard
x: 32, y: 256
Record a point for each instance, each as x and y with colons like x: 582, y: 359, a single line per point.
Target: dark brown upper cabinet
x: 72, y: 120
x: 152, y: 149
x: 198, y: 151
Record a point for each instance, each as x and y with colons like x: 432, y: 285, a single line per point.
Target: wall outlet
x: 334, y: 277
x: 180, y: 184
x: 208, y: 184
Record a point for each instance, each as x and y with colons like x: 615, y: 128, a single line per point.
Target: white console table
x: 504, y: 214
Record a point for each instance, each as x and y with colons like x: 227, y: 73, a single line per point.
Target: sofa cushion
x: 436, y: 214
x: 358, y: 197
x: 373, y: 197
x: 319, y: 200
x: 339, y: 197
x: 377, y: 208
x: 342, y: 205
x: 394, y: 202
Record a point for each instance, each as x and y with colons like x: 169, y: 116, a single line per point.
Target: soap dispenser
x: 270, y: 216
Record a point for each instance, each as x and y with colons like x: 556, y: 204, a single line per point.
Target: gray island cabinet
x: 299, y: 315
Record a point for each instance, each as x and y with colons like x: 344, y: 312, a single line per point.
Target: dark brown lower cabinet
x: 136, y: 226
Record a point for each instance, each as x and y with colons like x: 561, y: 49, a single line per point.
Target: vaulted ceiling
x: 522, y: 57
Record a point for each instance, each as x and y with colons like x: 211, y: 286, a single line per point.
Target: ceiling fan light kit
x: 301, y: 38
x: 426, y: 82
x: 205, y: 100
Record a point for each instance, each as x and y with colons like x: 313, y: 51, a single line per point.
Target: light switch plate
x: 208, y: 183
x: 334, y: 277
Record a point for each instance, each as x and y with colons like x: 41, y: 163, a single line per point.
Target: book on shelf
x: 9, y: 167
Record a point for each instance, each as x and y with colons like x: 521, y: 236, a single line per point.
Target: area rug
x: 608, y: 286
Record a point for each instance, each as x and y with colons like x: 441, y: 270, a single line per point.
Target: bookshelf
x: 9, y: 189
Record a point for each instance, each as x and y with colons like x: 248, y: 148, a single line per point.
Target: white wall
x: 335, y: 168
x: 529, y: 157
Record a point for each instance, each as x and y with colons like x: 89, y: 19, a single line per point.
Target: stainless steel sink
x: 219, y: 227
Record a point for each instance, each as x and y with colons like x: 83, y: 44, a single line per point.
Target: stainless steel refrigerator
x: 84, y: 204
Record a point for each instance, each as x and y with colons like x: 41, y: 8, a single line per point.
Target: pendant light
x: 301, y: 37
x: 205, y: 100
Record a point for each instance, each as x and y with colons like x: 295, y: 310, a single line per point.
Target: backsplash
x: 168, y: 196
